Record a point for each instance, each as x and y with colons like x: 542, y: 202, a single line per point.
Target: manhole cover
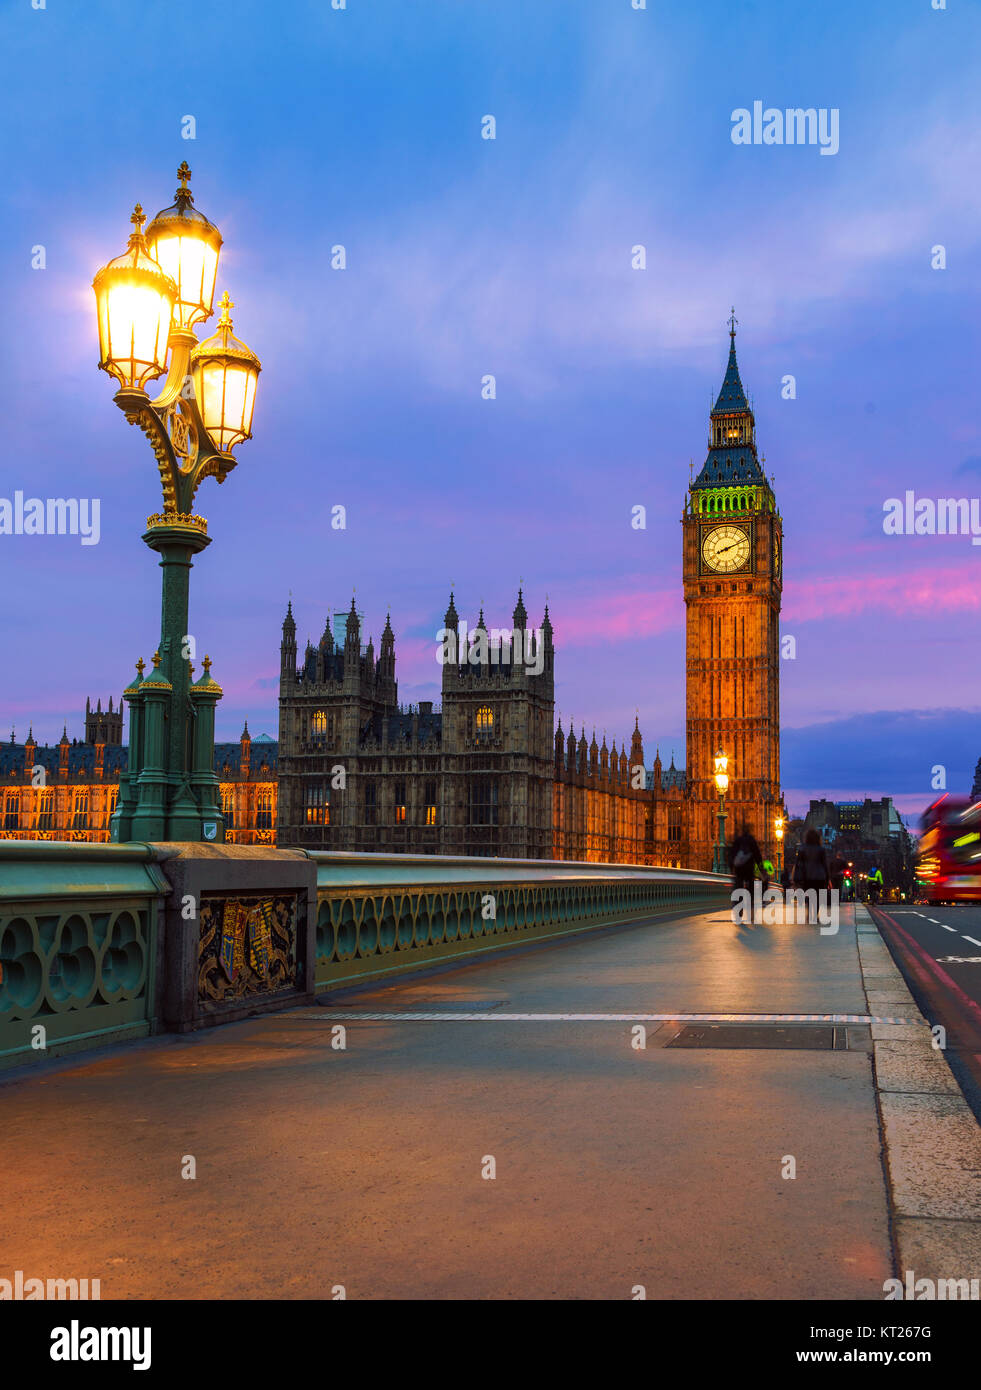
x: 729, y: 1035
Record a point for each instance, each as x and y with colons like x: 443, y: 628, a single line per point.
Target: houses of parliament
x: 489, y: 772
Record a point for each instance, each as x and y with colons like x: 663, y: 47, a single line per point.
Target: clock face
x: 725, y: 549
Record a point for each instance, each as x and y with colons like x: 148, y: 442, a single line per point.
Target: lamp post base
x: 170, y: 789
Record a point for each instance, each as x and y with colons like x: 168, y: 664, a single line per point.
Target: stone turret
x: 287, y: 649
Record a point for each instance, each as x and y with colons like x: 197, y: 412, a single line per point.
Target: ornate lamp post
x: 778, y: 831
x: 722, y: 786
x: 148, y: 301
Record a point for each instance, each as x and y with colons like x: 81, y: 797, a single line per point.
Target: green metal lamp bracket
x: 185, y: 452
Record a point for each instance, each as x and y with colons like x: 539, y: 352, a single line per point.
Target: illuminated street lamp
x: 148, y: 301
x: 722, y: 786
x: 778, y: 831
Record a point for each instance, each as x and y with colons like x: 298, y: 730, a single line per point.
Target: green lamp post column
x: 148, y: 301
x: 204, y: 695
x: 150, y: 816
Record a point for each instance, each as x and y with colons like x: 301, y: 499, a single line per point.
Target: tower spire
x: 732, y: 460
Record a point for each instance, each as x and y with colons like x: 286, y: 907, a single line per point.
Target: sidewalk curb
x: 930, y: 1139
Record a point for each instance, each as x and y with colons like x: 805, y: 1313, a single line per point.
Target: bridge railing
x: 379, y: 915
x: 102, y: 943
x: 78, y: 944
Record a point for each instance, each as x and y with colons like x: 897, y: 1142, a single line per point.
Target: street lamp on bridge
x: 778, y: 831
x: 148, y: 301
x: 722, y: 786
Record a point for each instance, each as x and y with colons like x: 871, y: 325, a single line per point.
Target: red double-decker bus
x: 948, y: 863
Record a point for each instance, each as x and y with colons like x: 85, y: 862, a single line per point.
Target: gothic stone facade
x: 482, y: 775
x: 69, y: 792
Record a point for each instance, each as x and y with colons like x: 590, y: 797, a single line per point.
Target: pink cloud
x: 619, y: 617
x: 918, y: 591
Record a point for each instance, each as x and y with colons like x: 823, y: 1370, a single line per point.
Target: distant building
x: 976, y: 789
x: 869, y: 834
x: 69, y: 792
x: 861, y: 820
x: 104, y: 726
x: 483, y: 774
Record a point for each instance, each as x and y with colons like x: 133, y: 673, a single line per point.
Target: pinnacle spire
x: 731, y: 396
x: 520, y: 616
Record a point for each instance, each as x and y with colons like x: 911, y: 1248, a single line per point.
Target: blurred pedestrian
x: 811, y: 870
x: 744, y: 859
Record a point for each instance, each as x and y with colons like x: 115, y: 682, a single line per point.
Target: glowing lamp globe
x: 721, y: 778
x: 186, y: 244
x: 134, y: 301
x: 225, y: 373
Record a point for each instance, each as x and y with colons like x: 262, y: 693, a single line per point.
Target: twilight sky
x: 361, y: 127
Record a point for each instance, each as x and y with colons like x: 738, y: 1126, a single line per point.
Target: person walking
x: 875, y: 885
x: 744, y: 859
x: 811, y: 869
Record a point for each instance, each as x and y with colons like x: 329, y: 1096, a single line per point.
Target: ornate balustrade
x: 78, y: 945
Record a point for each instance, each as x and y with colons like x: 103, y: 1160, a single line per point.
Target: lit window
x: 316, y: 807
x: 228, y: 807
x: 319, y: 723
x: 45, y: 810
x: 80, y: 813
x: 400, y: 803
x: 264, y: 811
x: 11, y: 811
x: 485, y: 720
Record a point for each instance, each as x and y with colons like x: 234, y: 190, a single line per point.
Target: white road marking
x: 946, y: 928
x: 328, y: 1015
x: 971, y: 939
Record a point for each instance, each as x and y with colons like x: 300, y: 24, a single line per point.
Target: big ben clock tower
x: 733, y: 581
